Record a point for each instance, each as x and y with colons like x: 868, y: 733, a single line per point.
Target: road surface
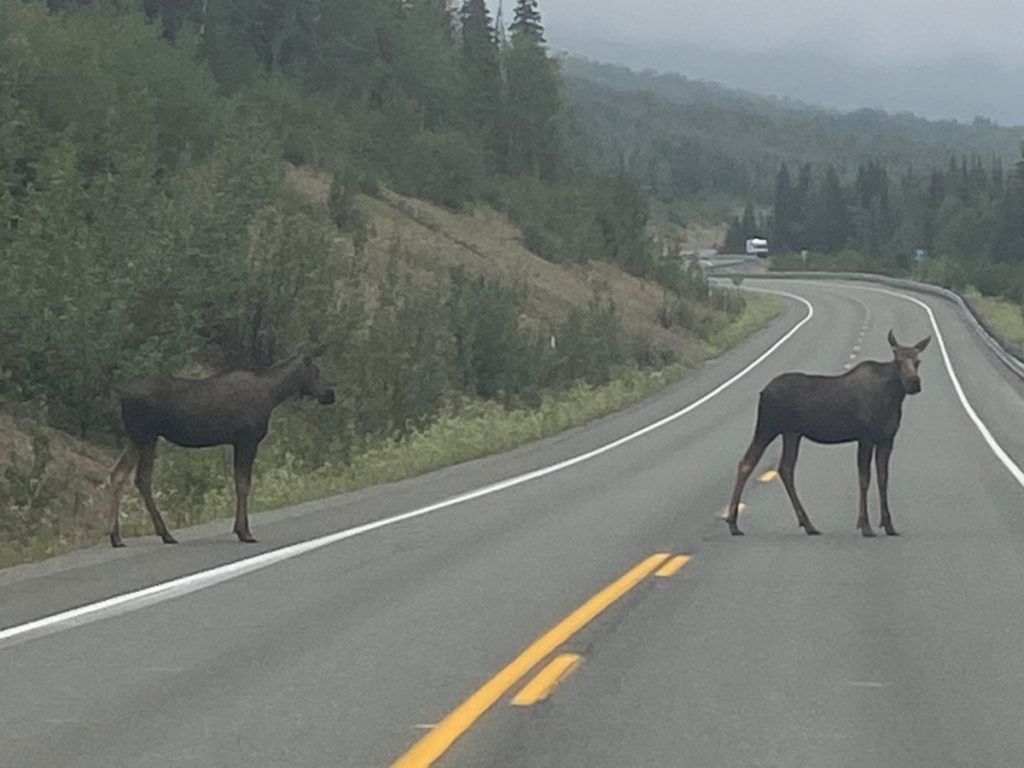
x: 775, y: 649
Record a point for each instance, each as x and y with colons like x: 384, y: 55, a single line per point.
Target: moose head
x: 311, y: 386
x: 908, y: 363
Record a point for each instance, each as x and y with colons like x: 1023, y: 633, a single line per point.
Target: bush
x: 445, y: 167
x: 27, y: 492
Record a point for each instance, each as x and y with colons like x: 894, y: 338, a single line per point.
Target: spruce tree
x: 533, y: 101
x: 481, y: 72
x: 834, y: 227
x: 749, y: 222
x: 527, y: 21
x: 783, y: 214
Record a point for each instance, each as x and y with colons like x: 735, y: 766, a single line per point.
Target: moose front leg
x: 245, y: 455
x: 864, y: 451
x: 882, y: 453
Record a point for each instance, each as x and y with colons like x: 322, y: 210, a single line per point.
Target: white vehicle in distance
x: 757, y: 246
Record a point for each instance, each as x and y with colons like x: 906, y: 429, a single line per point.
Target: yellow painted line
x: 435, y: 743
x: 768, y: 476
x: 672, y: 567
x: 547, y: 679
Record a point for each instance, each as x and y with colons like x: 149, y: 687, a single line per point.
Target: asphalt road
x: 774, y: 649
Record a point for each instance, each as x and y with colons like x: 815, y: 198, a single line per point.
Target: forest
x: 959, y: 226
x: 939, y: 200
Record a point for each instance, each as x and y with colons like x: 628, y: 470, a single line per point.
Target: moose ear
x: 922, y: 344
x: 892, y: 340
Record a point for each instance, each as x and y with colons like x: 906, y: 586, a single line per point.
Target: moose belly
x: 199, y: 435
x: 833, y: 438
x: 830, y: 431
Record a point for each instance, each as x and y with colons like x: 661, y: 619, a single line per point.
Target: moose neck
x: 285, y: 380
x: 894, y: 384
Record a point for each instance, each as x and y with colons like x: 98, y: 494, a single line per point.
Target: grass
x: 194, y: 486
x: 1005, y: 316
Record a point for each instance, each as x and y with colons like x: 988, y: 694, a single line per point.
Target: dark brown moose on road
x: 228, y: 409
x: 863, y: 405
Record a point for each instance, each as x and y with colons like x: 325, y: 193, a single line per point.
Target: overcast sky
x: 863, y: 31
x: 937, y: 58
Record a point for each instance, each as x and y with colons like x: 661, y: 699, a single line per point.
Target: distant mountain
x: 686, y: 136
x: 956, y: 87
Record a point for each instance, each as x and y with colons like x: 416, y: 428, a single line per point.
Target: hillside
x: 689, y: 137
x: 51, y: 481
x: 435, y: 240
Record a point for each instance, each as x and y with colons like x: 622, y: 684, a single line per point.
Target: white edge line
x: 203, y: 579
x: 993, y: 444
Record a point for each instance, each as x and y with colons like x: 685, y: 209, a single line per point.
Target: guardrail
x: 1009, y: 354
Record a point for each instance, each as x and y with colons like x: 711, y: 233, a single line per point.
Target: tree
x: 834, y: 228
x: 527, y: 22
x: 749, y: 222
x: 1008, y: 243
x: 481, y: 73
x: 426, y: 66
x: 623, y: 220
x: 783, y: 215
x: 534, y: 101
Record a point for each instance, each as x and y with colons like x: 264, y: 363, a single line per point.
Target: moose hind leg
x: 245, y: 455
x: 747, y: 464
x: 787, y: 467
x: 864, y: 451
x: 882, y: 453
x: 144, y: 482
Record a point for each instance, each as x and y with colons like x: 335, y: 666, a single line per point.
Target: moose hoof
x: 168, y: 539
x: 116, y: 541
x: 735, y: 531
x: 867, y: 533
x: 811, y: 530
x: 890, y: 531
x: 246, y: 537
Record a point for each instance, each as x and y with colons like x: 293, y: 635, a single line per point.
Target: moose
x: 863, y: 405
x: 231, y: 408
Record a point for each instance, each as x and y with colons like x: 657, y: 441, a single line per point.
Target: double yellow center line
x: 443, y: 735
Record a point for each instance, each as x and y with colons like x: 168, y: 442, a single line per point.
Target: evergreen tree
x: 749, y: 222
x: 481, y: 73
x: 782, y: 217
x: 527, y: 22
x: 1008, y: 243
x: 997, y: 176
x: 426, y: 62
x: 623, y: 220
x: 533, y: 101
x: 830, y: 228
